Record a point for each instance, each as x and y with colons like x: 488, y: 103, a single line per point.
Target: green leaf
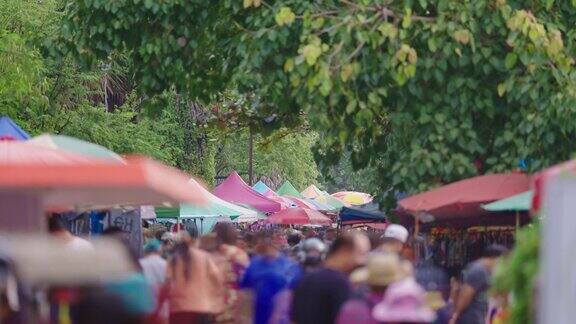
x: 511, y: 59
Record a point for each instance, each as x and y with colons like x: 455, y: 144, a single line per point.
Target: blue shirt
x: 267, y: 277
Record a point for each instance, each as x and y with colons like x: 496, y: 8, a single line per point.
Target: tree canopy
x: 425, y: 91
x: 46, y: 91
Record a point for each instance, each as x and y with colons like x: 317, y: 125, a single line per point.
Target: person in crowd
x: 294, y: 243
x: 471, y: 306
x: 320, y: 294
x: 195, y: 283
x: 58, y: 230
x: 312, y: 254
x: 233, y: 263
x: 404, y: 302
x: 394, y: 238
x: 96, y: 306
x: 153, y: 265
x: 382, y: 269
x: 329, y: 236
x: 268, y: 274
x: 134, y: 290
x: 154, y: 269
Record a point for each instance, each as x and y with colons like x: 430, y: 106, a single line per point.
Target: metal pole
x: 250, y: 158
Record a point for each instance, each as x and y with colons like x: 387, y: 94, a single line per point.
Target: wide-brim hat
x: 382, y: 269
x: 404, y: 301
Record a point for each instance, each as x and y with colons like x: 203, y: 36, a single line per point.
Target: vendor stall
x: 234, y: 190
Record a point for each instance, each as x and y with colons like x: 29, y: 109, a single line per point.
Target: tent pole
x: 416, y: 226
x: 517, y: 221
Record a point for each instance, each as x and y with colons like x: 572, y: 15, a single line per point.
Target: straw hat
x: 404, y: 301
x: 381, y: 269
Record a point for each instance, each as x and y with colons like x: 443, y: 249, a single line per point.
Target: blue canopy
x: 9, y: 129
x: 361, y: 215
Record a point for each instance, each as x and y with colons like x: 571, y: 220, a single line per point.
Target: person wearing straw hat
x: 381, y: 270
x: 404, y: 302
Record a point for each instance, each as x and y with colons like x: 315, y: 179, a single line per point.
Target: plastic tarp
x: 234, y: 190
x: 353, y: 215
x: 287, y: 189
x: 10, y: 130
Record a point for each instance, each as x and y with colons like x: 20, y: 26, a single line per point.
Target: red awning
x: 299, y: 216
x: 464, y: 198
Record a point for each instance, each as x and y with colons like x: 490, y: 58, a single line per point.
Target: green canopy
x: 519, y: 202
x: 287, y: 189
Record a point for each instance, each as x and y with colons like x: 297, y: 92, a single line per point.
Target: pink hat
x: 404, y: 301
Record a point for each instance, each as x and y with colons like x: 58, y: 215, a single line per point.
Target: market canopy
x: 215, y: 207
x: 355, y: 215
x: 312, y: 192
x: 35, y: 179
x: 264, y: 190
x: 353, y: 197
x: 10, y: 130
x: 464, y: 198
x: 74, y: 145
x: 233, y: 189
x: 287, y: 189
x: 299, y: 216
x: 519, y: 202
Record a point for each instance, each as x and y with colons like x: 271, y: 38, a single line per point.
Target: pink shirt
x: 202, y: 291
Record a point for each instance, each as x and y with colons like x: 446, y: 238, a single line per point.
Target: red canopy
x: 542, y: 178
x: 464, y: 198
x: 236, y: 191
x: 299, y: 216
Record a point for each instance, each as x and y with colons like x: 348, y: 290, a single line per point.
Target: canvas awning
x: 519, y: 202
x: 355, y: 215
x: 464, y: 198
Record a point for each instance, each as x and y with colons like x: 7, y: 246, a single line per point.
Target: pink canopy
x: 236, y: 191
x: 299, y: 216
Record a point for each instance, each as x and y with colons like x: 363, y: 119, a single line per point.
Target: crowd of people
x: 285, y: 275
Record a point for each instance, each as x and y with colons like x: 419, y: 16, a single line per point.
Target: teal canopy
x: 519, y: 202
x: 287, y: 189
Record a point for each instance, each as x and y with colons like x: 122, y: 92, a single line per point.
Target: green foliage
x: 427, y: 92
x: 517, y: 275
x: 276, y: 159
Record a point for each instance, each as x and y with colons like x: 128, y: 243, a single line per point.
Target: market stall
x: 234, y: 190
x: 451, y: 224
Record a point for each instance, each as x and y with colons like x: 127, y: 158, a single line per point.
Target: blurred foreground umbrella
x: 353, y: 197
x: 299, y: 216
x: 74, y: 145
x: 33, y: 179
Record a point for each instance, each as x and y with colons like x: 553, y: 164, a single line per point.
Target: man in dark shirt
x: 472, y: 302
x: 320, y: 294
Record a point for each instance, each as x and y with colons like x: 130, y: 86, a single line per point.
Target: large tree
x: 426, y: 91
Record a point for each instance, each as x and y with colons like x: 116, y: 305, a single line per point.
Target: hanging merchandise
x: 453, y: 249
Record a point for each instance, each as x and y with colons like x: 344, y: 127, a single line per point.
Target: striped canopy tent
x: 11, y: 131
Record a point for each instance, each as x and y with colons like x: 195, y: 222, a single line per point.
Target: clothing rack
x: 454, y: 248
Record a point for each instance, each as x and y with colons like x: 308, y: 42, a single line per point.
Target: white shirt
x: 154, y: 268
x: 79, y: 244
